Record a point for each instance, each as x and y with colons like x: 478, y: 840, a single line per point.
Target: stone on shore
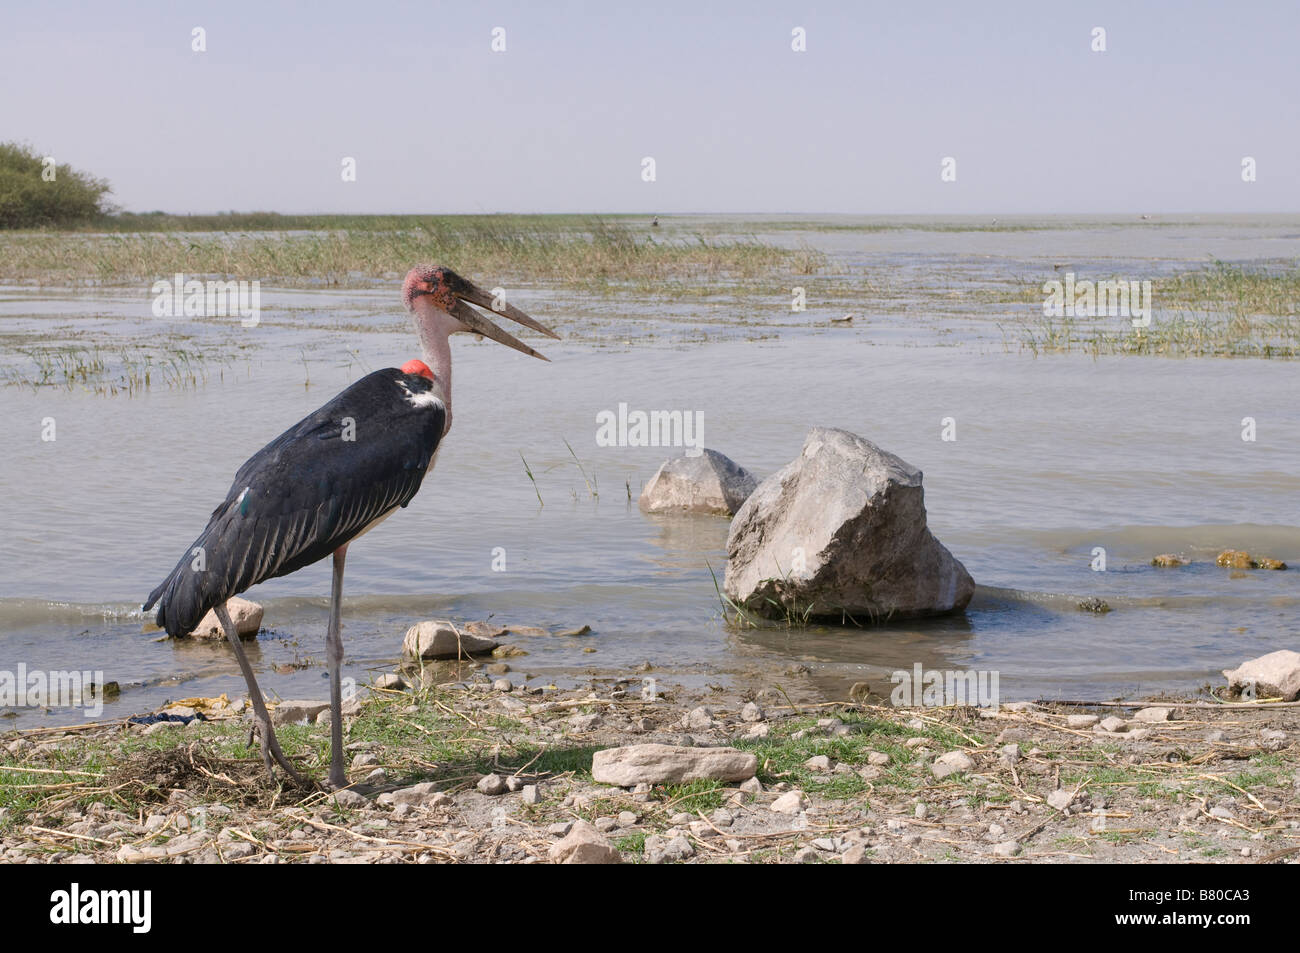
x: 954, y: 762
x: 584, y: 845
x: 668, y: 764
x: 840, y: 534
x: 438, y: 639
x: 708, y: 483
x: 246, y: 615
x: 294, y: 712
x: 1276, y: 674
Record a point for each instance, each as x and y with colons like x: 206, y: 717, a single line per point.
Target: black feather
x: 307, y: 492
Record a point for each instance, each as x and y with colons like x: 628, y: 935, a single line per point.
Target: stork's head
x: 440, y: 299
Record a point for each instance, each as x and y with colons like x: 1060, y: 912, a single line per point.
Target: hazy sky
x: 735, y: 120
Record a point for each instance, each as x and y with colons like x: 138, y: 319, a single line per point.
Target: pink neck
x: 434, y: 327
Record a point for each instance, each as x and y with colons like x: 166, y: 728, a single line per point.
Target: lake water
x: 1054, y: 457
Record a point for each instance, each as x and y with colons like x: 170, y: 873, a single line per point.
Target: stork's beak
x: 465, y: 290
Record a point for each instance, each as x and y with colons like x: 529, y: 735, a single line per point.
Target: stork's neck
x: 434, y: 327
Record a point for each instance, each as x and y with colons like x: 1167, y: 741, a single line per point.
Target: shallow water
x: 1054, y: 456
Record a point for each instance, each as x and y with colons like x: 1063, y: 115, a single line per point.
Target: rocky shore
x: 474, y: 770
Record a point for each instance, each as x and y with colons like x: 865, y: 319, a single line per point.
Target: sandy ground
x: 1184, y: 781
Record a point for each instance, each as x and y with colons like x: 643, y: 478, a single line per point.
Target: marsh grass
x: 1224, y: 310
x: 594, y: 253
x: 127, y: 370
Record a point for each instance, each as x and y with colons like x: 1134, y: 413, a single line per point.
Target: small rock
x: 502, y: 685
x: 751, y: 712
x: 819, y: 763
x: 1152, y: 715
x: 1008, y: 848
x: 877, y: 758
x: 583, y: 844
x: 1275, y: 675
x: 1060, y: 799
x: 491, y: 784
x: 807, y: 855
x: 954, y: 762
x: 246, y: 615
x: 530, y: 794
x: 440, y: 639
x: 1082, y: 721
x: 854, y: 855
x: 347, y: 798
x: 626, y: 819
x: 792, y: 802
x: 295, y: 712
x: 1113, y: 724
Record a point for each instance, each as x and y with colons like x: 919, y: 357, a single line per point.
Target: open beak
x: 479, y: 323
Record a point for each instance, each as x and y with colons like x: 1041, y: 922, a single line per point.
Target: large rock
x: 246, y: 615
x: 839, y: 534
x: 438, y: 639
x: 668, y: 764
x: 1274, y: 675
x: 708, y: 483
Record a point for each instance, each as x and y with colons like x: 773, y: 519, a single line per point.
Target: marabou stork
x: 327, y: 480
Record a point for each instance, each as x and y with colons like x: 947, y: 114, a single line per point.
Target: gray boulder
x: 1275, y: 675
x: 439, y: 639
x: 839, y: 534
x: 709, y: 483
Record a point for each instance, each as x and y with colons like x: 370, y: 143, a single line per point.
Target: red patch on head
x: 417, y: 367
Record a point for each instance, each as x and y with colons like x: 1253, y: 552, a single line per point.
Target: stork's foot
x: 272, y: 755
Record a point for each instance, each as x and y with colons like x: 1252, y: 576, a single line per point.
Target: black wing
x: 309, y: 491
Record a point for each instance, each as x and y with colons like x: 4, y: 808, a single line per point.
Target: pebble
x: 1153, y: 715
x: 491, y: 784
x: 1060, y: 799
x: 954, y: 762
x: 347, y: 798
x: 792, y: 802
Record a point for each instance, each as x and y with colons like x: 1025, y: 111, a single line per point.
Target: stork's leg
x: 270, y: 746
x: 334, y: 656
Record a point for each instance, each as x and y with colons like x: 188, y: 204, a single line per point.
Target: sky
x: 733, y: 117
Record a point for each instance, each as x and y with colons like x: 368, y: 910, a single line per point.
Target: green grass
x: 594, y: 253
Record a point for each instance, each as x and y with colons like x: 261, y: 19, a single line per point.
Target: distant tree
x: 35, y: 193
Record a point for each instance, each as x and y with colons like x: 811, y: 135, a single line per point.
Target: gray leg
x: 334, y: 655
x: 270, y: 746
